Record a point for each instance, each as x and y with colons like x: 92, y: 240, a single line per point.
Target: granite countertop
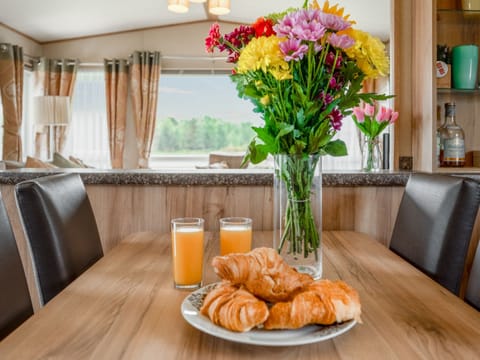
x: 250, y: 177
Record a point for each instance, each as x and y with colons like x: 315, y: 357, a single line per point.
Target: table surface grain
x: 125, y: 307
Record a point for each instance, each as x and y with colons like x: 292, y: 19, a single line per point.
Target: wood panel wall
x: 121, y: 210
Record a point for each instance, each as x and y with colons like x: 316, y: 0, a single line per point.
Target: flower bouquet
x: 303, y: 70
x: 372, y: 119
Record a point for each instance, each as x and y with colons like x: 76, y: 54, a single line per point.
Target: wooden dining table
x: 125, y: 307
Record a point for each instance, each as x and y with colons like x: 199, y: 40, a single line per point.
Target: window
x: 198, y: 113
x: 88, y: 134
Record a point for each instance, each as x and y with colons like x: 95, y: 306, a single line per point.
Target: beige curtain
x: 11, y: 86
x: 57, y: 78
x: 116, y: 89
x: 144, y: 78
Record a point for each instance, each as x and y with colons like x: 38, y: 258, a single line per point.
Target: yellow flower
x: 264, y: 54
x: 369, y: 54
x: 265, y: 100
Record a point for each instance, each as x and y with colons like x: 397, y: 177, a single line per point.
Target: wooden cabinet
x: 432, y: 25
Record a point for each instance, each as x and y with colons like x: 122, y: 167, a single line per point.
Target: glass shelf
x: 459, y: 11
x: 458, y: 91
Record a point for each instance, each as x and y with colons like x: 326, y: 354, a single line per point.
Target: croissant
x: 263, y: 272
x: 233, y: 308
x: 321, y: 302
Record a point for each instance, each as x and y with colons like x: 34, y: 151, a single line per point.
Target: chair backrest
x: 15, y: 302
x: 472, y: 295
x: 61, y: 229
x: 434, y: 225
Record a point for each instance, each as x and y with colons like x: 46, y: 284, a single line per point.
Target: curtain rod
x: 162, y: 57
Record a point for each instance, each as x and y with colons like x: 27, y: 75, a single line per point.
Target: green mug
x: 464, y: 66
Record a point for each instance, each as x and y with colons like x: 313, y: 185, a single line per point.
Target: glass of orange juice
x: 235, y: 235
x: 187, y: 250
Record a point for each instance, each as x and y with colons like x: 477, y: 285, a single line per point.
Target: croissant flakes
x: 321, y: 302
x: 263, y: 272
x: 234, y: 309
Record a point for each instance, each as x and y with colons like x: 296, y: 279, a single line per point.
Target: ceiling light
x: 178, y: 6
x: 219, y: 7
x: 198, y: 1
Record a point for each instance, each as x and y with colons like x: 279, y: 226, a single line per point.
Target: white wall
x: 30, y: 47
x: 186, y: 40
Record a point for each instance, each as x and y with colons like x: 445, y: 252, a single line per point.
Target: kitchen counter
x: 210, y: 177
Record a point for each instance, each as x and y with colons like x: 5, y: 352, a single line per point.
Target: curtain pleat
x: 53, y: 78
x: 144, y: 79
x: 116, y: 90
x: 11, y: 86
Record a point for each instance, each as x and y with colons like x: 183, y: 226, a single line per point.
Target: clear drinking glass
x: 235, y: 235
x: 187, y: 251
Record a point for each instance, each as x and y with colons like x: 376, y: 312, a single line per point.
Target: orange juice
x: 235, y: 239
x: 187, y: 248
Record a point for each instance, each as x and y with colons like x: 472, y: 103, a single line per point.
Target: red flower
x: 263, y: 27
x: 213, y: 38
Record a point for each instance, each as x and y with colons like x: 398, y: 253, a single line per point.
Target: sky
x: 195, y: 96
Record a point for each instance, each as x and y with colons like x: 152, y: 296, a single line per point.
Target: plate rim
x: 192, y: 315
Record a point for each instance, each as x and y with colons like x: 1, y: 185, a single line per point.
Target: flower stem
x: 300, y: 231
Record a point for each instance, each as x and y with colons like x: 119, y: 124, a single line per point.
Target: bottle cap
x: 450, y: 109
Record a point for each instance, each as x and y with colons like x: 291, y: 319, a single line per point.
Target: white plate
x: 306, y: 335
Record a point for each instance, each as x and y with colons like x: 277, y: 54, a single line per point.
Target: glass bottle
x: 441, y: 134
x: 452, y: 139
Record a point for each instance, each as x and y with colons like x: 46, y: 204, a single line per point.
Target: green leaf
x: 284, y: 130
x: 336, y: 148
x: 257, y: 153
x: 264, y: 135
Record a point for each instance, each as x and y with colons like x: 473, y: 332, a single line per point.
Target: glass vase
x: 297, y: 205
x: 371, y: 154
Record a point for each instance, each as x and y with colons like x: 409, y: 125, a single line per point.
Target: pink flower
x: 213, y: 38
x: 384, y: 114
x: 369, y: 110
x: 394, y: 117
x: 341, y: 41
x: 359, y: 114
x: 293, y: 49
x: 333, y: 22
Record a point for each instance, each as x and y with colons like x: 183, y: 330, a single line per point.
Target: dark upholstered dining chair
x: 15, y: 302
x: 472, y: 295
x: 61, y: 230
x: 434, y: 225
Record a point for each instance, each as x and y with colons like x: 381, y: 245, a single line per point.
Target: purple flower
x: 308, y: 31
x: 284, y: 27
x: 325, y: 98
x: 341, y: 41
x: 336, y: 119
x: 303, y: 25
x: 293, y: 49
x: 333, y: 83
x: 333, y: 22
x: 330, y: 58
